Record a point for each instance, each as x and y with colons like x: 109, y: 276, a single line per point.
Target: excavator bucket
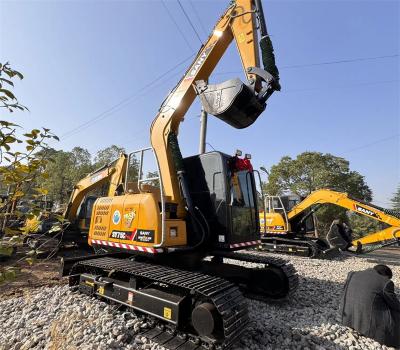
x: 231, y: 101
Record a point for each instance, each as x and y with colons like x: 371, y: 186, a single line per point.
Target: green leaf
x: 9, y: 139
x: 35, y: 132
x: 6, y: 123
x: 19, y: 74
x: 6, y: 250
x: 41, y: 190
x: 8, y: 93
x: 30, y: 261
x: 7, y: 81
x: 10, y: 275
x: 56, y: 138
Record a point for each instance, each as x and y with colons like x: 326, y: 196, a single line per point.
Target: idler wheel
x: 271, y: 282
x: 206, y: 319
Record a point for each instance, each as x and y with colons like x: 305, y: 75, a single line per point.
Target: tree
x: 81, y: 163
x: 107, y: 155
x: 363, y: 225
x: 23, y: 159
x: 311, y: 171
x: 60, y: 181
x: 396, y: 199
x: 65, y: 170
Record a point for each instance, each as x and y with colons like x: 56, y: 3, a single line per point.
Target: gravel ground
x: 55, y: 318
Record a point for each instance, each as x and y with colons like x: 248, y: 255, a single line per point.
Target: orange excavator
x: 171, y: 253
x: 287, y: 225
x: 75, y: 220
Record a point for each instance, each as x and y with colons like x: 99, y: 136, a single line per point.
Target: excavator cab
x: 85, y: 213
x: 275, y: 221
x: 223, y: 188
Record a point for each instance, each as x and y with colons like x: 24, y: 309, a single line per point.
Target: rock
x: 53, y: 316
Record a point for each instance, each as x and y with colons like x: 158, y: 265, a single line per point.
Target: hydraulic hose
x: 179, y: 167
x: 267, y: 50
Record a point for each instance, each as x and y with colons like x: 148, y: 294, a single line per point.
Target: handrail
x: 140, y: 180
x: 263, y: 199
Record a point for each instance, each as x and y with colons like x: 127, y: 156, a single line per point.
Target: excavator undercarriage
x: 197, y: 307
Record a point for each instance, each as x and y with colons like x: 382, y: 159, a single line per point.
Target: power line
x: 198, y: 18
x: 324, y: 63
x: 372, y: 143
x: 342, y: 86
x: 190, y: 22
x: 176, y: 25
x: 112, y: 109
x: 339, y: 61
x: 141, y: 131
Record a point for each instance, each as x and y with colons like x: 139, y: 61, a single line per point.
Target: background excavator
x: 49, y: 230
x: 167, y: 250
x: 288, y: 222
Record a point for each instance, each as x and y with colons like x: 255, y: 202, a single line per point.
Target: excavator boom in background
x: 154, y: 238
x: 76, y: 217
x: 288, y: 219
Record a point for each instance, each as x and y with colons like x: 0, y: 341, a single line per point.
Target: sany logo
x: 199, y: 63
x: 96, y: 178
x: 366, y: 211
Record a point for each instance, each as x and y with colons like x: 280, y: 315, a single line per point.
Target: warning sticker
x: 167, y: 313
x: 144, y: 236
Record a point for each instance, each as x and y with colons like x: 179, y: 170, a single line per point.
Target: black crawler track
x: 289, y: 275
x: 304, y: 247
x: 226, y: 297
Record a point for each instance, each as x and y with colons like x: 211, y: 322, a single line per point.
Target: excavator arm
x: 113, y: 173
x: 236, y: 103
x: 343, y: 200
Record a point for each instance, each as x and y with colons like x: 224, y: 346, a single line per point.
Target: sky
x: 96, y: 73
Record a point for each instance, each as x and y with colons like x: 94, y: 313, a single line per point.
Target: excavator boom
x: 236, y: 103
x: 343, y: 200
x: 113, y: 173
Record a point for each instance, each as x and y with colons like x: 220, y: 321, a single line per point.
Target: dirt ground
x: 42, y: 273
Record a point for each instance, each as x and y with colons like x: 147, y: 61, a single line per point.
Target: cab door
x: 243, y: 207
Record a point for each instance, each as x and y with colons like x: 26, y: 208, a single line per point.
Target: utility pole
x: 203, y: 131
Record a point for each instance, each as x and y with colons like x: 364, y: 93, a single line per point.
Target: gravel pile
x: 55, y: 318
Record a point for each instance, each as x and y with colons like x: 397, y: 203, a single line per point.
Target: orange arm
x: 237, y: 23
x: 114, y: 173
x: 343, y: 200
